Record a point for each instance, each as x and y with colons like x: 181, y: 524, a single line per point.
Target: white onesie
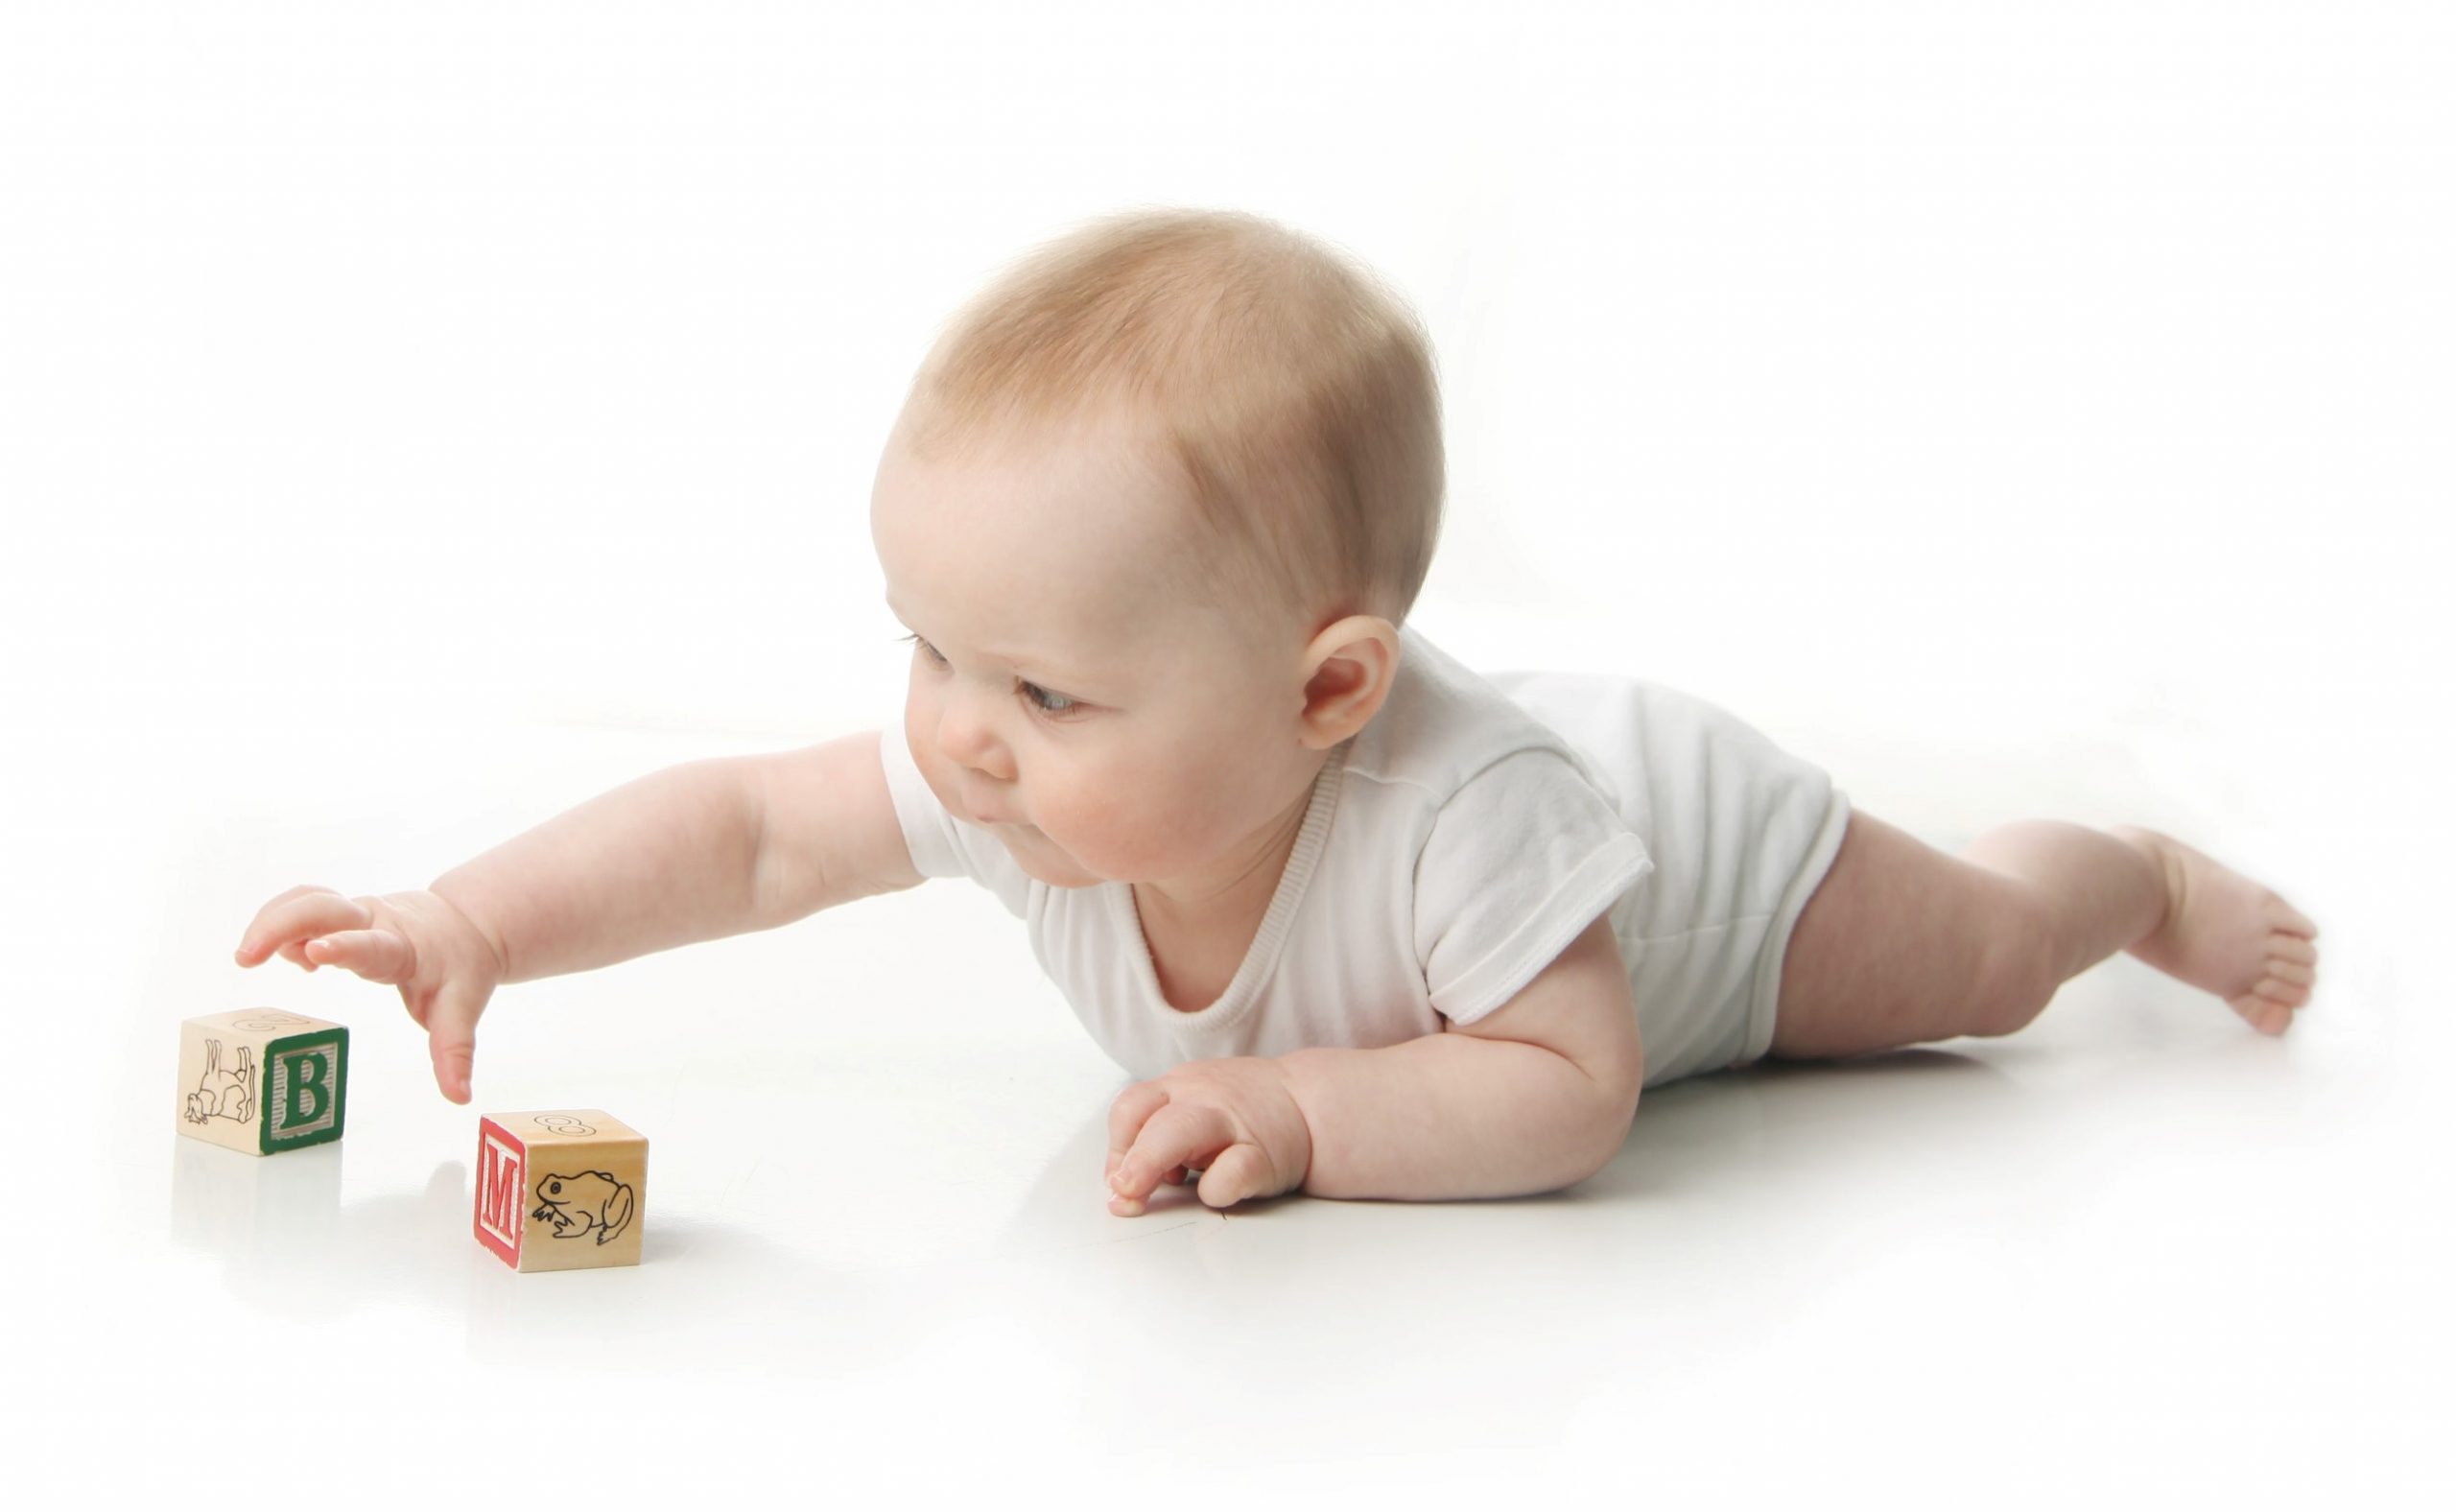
x: 1452, y: 848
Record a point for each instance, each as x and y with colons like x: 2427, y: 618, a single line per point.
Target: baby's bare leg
x: 1901, y: 944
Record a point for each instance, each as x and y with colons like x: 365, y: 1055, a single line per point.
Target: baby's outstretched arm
x: 694, y: 852
x: 1535, y: 1096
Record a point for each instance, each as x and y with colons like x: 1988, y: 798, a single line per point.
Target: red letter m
x: 500, y: 1189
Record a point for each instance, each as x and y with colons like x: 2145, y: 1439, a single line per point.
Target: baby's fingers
x: 1241, y: 1171
x: 452, y: 1039
x: 293, y: 918
x: 377, y: 954
x: 1175, y: 1138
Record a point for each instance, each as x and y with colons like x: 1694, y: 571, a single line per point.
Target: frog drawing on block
x: 576, y: 1204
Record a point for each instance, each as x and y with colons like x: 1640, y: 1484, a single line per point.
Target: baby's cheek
x: 915, y: 734
x: 1114, y: 837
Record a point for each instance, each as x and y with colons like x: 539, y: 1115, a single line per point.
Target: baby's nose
x: 978, y: 756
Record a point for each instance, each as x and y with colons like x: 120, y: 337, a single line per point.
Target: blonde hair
x: 1288, y: 388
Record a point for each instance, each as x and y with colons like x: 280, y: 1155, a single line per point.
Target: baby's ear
x: 1350, y: 666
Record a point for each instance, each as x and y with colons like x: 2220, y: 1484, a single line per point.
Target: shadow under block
x: 262, y: 1080
x: 560, y: 1191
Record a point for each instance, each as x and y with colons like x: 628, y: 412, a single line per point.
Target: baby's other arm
x: 1535, y: 1096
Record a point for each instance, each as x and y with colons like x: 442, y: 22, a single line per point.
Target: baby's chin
x: 1042, y: 861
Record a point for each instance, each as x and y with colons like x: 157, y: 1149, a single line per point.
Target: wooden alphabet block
x: 560, y: 1191
x: 262, y: 1080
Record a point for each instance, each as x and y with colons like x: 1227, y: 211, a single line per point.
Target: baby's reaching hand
x: 1233, y: 1119
x: 443, y: 964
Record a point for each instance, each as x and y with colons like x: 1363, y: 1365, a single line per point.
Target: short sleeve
x: 941, y: 844
x: 1517, y: 861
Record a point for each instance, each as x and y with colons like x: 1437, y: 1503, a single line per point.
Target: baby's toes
x: 2264, y: 1015
x: 2287, y: 920
x: 2290, y: 971
x: 2278, y: 989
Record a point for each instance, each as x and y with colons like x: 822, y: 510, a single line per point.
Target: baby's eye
x: 1053, y: 705
x: 1063, y: 705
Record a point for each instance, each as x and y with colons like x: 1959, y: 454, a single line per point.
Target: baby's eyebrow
x: 1054, y: 679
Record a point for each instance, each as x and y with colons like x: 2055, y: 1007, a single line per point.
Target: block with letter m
x: 560, y: 1191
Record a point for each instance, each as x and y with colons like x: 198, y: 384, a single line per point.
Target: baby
x: 1366, y: 923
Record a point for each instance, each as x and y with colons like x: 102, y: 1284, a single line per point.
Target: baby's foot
x: 2228, y: 934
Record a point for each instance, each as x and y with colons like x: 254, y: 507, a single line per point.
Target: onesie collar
x: 1261, y: 957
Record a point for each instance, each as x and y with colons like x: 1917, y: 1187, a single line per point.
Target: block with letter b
x: 262, y: 1080
x: 560, y: 1191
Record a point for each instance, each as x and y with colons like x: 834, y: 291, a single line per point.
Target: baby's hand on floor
x: 1233, y: 1119
x: 443, y: 964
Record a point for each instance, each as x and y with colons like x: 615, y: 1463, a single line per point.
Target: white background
x: 416, y: 419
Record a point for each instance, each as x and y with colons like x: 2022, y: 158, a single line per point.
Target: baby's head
x: 1154, y: 508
